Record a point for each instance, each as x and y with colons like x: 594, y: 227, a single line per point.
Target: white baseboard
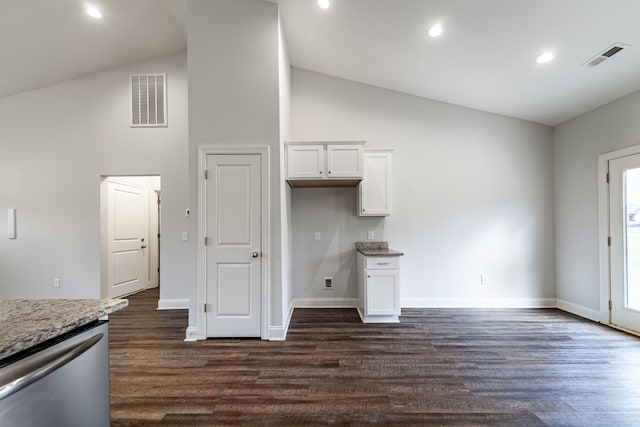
x: 192, y: 334
x: 478, y: 303
x: 173, y: 304
x: 277, y: 333
x: 324, y: 303
x: 579, y: 310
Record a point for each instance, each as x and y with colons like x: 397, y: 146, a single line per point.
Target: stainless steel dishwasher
x: 63, y: 382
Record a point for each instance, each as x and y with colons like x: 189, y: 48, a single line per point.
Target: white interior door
x: 233, y: 251
x: 127, y: 234
x: 624, y: 214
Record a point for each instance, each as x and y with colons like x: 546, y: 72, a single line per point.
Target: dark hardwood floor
x: 437, y: 367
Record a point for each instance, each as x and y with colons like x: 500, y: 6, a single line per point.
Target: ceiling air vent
x: 148, y: 100
x: 605, y: 54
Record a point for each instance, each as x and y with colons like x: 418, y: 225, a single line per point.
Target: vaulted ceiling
x: 484, y: 58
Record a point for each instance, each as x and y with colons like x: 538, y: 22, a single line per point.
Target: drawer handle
x: 382, y: 263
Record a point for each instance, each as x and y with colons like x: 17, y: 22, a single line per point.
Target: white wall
x: 284, y: 73
x: 56, y: 143
x: 577, y: 144
x: 332, y: 212
x: 472, y: 195
x: 234, y: 100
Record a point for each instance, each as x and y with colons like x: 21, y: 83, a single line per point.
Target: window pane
x: 632, y: 238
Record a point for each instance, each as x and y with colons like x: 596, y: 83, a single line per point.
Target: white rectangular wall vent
x: 148, y: 100
x: 605, y: 54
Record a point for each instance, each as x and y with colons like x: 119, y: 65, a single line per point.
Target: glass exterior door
x: 624, y: 210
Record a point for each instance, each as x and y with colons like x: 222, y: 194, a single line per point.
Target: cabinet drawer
x: 379, y: 262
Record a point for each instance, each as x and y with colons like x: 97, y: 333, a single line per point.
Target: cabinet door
x: 375, y: 188
x: 305, y: 161
x: 383, y: 292
x: 345, y: 161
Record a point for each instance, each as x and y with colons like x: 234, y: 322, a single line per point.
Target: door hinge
x: 206, y: 240
x: 158, y: 269
x: 206, y: 174
x: 205, y: 307
x: 609, y: 241
x: 158, y: 200
x: 607, y: 177
x: 610, y: 305
x: 158, y: 235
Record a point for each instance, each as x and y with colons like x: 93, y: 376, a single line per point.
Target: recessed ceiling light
x: 545, y: 57
x: 435, y: 31
x: 94, y: 13
x: 324, y: 4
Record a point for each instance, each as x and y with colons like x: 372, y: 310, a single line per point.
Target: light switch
x: 317, y: 235
x: 11, y: 220
x: 185, y: 236
x: 370, y: 235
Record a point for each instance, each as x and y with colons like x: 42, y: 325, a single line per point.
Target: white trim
x: 579, y: 310
x: 277, y: 333
x: 603, y: 227
x: 478, y: 303
x: 264, y: 152
x: 324, y: 303
x: 173, y: 304
x: 288, y: 319
x: 192, y: 334
x: 628, y: 331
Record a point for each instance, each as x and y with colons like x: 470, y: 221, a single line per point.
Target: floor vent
x: 148, y: 100
x: 605, y: 54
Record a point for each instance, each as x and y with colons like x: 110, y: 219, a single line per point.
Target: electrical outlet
x: 370, y: 235
x: 317, y: 235
x: 484, y: 279
x: 328, y: 282
x: 185, y: 236
x: 56, y: 283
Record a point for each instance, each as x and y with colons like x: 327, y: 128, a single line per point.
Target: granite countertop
x: 25, y: 323
x: 376, y: 249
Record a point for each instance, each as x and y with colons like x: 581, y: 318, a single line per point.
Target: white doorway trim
x: 153, y: 188
x: 603, y: 225
x: 264, y: 152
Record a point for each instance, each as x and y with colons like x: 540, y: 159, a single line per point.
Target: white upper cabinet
x: 305, y: 161
x: 345, y: 161
x: 336, y: 163
x: 374, y: 195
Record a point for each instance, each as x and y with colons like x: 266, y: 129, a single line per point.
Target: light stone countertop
x: 376, y: 249
x: 26, y: 323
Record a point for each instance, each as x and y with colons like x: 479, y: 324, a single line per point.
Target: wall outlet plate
x: 328, y: 282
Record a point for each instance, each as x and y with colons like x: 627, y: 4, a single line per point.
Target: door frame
x: 603, y: 228
x: 264, y: 152
x: 154, y: 241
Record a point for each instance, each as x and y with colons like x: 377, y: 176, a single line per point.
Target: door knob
x: 254, y: 254
x: 143, y: 247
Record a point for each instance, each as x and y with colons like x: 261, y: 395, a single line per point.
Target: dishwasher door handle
x: 29, y: 370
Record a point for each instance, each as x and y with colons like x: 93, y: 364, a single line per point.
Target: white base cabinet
x: 378, y: 288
